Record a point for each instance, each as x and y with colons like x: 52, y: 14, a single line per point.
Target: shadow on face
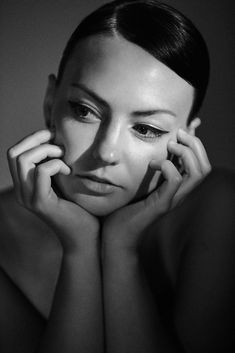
x: 114, y: 112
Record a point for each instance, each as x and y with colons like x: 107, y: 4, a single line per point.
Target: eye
x: 82, y: 111
x: 148, y: 131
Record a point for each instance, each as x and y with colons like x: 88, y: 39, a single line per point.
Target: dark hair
x: 159, y: 29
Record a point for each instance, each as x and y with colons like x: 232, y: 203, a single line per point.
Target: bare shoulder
x: 204, y: 296
x: 211, y: 208
x: 15, y: 309
x: 12, y: 215
x: 206, y: 215
x: 217, y: 188
x: 29, y: 252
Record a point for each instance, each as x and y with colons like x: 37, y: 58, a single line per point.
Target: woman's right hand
x: 31, y: 176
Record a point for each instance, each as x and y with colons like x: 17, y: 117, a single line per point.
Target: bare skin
x: 104, y: 282
x: 38, y: 284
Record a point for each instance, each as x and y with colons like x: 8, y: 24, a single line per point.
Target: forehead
x: 124, y: 74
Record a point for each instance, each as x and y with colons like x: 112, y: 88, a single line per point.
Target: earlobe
x: 194, y: 124
x: 49, y: 101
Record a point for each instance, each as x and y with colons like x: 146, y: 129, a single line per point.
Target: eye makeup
x: 146, y: 131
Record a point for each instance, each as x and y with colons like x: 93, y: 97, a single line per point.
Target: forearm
x: 76, y: 319
x: 132, y: 319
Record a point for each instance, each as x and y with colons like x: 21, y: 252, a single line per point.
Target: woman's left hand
x: 123, y: 228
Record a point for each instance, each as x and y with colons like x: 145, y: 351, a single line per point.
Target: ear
x: 49, y: 100
x: 191, y: 128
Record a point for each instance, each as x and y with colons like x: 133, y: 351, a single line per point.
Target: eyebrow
x: 91, y: 94
x: 138, y: 113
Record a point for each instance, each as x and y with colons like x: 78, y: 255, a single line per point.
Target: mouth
x: 97, y: 185
x: 97, y: 179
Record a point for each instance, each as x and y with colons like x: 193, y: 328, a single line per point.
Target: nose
x: 107, y: 146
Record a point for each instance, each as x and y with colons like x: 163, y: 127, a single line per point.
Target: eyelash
x: 75, y: 105
x: 154, y: 132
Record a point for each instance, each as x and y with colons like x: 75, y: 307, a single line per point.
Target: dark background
x: 33, y: 34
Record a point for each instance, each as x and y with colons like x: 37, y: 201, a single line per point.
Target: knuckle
x: 11, y: 153
x: 41, y: 169
x: 38, y: 135
x: 21, y: 159
x: 208, y: 169
x: 59, y: 162
x: 196, y: 141
x: 186, y: 153
x: 176, y: 178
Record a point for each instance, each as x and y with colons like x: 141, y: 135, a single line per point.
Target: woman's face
x: 114, y: 112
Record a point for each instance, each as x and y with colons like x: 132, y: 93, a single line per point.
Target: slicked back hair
x: 158, y: 28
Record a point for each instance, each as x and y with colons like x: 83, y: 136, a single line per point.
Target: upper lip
x: 96, y: 178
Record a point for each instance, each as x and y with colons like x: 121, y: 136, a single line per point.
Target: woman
x: 116, y: 243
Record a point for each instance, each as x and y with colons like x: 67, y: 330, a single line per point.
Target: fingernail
x: 172, y: 142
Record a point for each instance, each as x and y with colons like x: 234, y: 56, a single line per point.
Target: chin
x: 97, y: 206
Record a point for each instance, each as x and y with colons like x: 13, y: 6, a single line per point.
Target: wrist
x: 77, y: 242
x: 111, y: 253
x: 81, y: 254
x: 120, y: 242
x: 122, y: 265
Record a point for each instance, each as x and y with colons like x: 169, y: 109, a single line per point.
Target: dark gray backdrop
x: 33, y: 34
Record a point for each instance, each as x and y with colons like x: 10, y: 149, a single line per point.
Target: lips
x: 96, y: 178
x: 95, y: 185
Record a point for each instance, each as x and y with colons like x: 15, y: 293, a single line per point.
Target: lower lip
x: 96, y: 186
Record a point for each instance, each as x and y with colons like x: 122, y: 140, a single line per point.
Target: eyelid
x: 156, y: 132
x: 153, y: 127
x: 74, y: 102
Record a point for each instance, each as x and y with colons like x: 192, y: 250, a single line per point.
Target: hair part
x: 158, y: 28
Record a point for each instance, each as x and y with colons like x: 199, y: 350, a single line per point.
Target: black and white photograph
x: 117, y: 176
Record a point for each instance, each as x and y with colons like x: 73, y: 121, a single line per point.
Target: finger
x: 185, y: 188
x: 195, y: 123
x: 26, y: 164
x: 173, y: 180
x: 195, y: 144
x: 189, y: 161
x: 32, y: 140
x: 160, y: 200
x: 43, y: 174
x: 14, y: 175
x: 13, y: 152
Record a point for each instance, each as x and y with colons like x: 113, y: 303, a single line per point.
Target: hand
x: 195, y: 165
x: 124, y: 227
x: 32, y: 181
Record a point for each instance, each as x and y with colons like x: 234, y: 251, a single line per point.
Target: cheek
x: 145, y: 178
x: 75, y: 138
